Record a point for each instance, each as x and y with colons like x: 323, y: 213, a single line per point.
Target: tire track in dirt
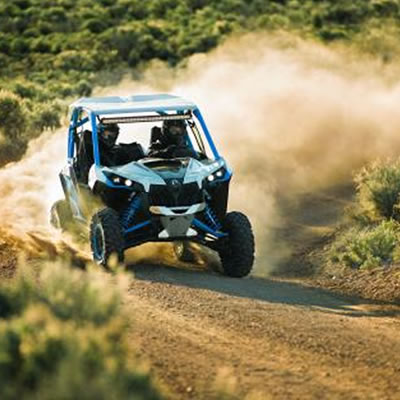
x: 269, y: 339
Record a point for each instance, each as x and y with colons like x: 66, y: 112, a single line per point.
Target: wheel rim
x: 98, y: 244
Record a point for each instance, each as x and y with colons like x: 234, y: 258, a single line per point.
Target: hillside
x: 53, y: 50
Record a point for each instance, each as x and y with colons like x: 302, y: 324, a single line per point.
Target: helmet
x: 174, y: 130
x: 108, y: 133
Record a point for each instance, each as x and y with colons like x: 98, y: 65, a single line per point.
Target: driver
x: 170, y: 141
x: 112, y: 154
x: 108, y: 135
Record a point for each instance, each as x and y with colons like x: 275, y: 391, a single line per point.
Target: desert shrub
x: 12, y: 115
x: 40, y: 45
x: 74, y: 60
x: 45, y: 116
x: 124, y: 39
x: 133, y: 57
x: 25, y: 89
x: 95, y: 25
x: 386, y: 7
x: 62, y: 335
x: 83, y: 88
x: 4, y: 45
x: 19, y: 46
x: 4, y: 60
x: 332, y: 33
x: 379, y: 41
x: 378, y: 190
x: 345, y: 13
x: 54, y: 14
x: 44, y: 27
x: 367, y: 247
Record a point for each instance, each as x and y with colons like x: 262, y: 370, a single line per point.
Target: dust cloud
x: 290, y: 116
x: 29, y: 188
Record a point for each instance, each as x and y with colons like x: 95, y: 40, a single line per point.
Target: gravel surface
x: 263, y: 339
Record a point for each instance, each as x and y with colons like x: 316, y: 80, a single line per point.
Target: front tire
x: 106, y: 236
x: 237, y: 250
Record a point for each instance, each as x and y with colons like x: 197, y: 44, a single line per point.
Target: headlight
x: 118, y: 180
x: 216, y: 175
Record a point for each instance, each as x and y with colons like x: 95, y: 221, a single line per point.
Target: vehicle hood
x: 156, y: 171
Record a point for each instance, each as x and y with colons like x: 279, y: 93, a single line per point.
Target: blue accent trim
x: 95, y: 140
x: 82, y: 122
x: 71, y: 131
x: 212, y: 218
x: 138, y: 226
x: 129, y: 213
x: 207, y: 229
x: 214, y: 150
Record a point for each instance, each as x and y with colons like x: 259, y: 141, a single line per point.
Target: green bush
x: 62, y: 336
x: 12, y: 115
x: 386, y: 8
x: 378, y: 190
x: 25, y: 89
x: 45, y: 116
x: 368, y: 247
x: 95, y: 25
x: 20, y: 46
x: 84, y: 88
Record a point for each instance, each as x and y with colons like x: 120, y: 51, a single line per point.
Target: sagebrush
x: 63, y: 336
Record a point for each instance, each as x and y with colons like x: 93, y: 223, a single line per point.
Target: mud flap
x: 71, y: 191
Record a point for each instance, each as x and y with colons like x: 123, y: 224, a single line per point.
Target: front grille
x: 169, y: 196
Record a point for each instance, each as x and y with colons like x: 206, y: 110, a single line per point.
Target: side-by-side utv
x: 147, y: 198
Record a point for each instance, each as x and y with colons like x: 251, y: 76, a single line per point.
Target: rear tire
x: 183, y: 251
x: 106, y: 236
x: 237, y: 250
x: 60, y: 215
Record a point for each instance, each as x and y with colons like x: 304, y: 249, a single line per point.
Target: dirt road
x: 263, y: 339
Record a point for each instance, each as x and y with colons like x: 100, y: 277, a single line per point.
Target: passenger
x: 170, y: 141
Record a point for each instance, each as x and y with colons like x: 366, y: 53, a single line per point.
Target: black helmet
x: 174, y: 130
x: 108, y: 133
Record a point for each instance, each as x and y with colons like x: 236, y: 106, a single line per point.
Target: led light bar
x: 144, y: 118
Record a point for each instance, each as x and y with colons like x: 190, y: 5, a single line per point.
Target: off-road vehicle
x: 150, y: 199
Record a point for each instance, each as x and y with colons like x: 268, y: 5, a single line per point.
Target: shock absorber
x: 212, y: 219
x: 128, y: 215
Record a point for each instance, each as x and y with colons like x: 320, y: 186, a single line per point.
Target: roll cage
x: 133, y: 109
